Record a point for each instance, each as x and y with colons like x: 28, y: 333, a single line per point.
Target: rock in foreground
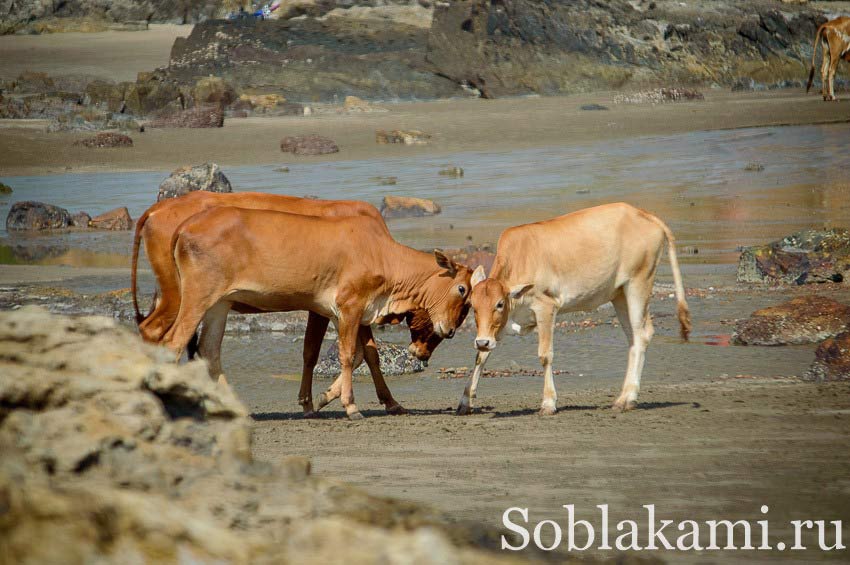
x: 807, y: 319
x: 408, y: 206
x: 832, y: 360
x: 190, y: 178
x: 29, y: 215
x: 115, y: 454
x: 809, y: 256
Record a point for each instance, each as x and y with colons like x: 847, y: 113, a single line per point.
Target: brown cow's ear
x: 478, y: 275
x: 444, y: 261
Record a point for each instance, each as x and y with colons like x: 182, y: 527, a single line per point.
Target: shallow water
x: 696, y: 182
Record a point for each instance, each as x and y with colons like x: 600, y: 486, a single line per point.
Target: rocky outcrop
x: 395, y: 360
x: 106, y: 139
x: 115, y: 454
x: 190, y: 178
x: 308, y: 145
x: 810, y: 256
x: 525, y: 46
x: 307, y: 60
x: 29, y: 215
x: 408, y: 206
x: 197, y: 117
x: 807, y: 319
x: 832, y: 360
x: 116, y: 220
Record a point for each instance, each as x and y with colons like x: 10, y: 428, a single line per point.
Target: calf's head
x: 492, y: 301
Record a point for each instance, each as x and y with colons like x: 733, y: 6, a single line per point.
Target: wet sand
x: 456, y: 125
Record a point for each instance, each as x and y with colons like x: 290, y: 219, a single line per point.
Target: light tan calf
x: 835, y: 45
x: 347, y: 269
x: 156, y: 227
x: 575, y: 262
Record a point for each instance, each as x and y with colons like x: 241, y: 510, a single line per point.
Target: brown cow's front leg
x: 370, y: 353
x: 317, y: 326
x: 348, y: 327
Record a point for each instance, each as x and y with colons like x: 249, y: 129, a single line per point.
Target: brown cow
x: 347, y: 269
x: 835, y: 45
x: 571, y: 263
x: 157, y: 226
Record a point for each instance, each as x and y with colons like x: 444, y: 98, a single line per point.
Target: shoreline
x: 457, y: 126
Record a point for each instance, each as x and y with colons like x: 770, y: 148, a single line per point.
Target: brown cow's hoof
x: 396, y: 410
x: 311, y: 415
x: 322, y: 401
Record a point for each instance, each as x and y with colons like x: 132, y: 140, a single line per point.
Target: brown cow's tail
x: 814, y: 55
x: 137, y: 239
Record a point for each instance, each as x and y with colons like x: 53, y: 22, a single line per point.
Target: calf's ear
x: 444, y: 261
x: 519, y: 290
x: 478, y: 275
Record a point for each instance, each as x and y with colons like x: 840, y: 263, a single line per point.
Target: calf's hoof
x: 547, y: 411
x: 624, y: 405
x: 310, y: 415
x: 354, y: 416
x: 463, y: 410
x: 396, y: 410
x: 353, y: 413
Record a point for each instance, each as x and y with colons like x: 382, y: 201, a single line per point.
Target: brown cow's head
x: 448, y: 295
x: 423, y: 340
x: 491, y: 302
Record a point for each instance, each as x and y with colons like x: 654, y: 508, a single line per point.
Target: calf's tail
x: 682, y: 310
x: 814, y: 55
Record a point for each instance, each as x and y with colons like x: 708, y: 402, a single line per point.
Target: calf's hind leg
x: 633, y: 311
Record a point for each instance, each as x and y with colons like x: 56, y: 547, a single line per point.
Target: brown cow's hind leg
x: 209, y: 343
x: 317, y: 326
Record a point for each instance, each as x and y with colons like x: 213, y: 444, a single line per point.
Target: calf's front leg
x: 545, y: 352
x: 465, y: 406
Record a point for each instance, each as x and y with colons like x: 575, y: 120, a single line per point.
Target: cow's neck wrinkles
x: 409, y: 273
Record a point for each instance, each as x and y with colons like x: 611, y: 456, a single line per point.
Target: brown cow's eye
x: 462, y: 290
x: 500, y: 305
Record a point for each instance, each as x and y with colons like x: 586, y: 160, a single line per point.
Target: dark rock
x: 29, y: 215
x: 190, y: 178
x: 308, y: 145
x: 807, y: 319
x: 5, y: 188
x: 116, y: 220
x: 591, y: 107
x: 197, y: 117
x: 80, y: 220
x: 153, y: 92
x: 809, y: 256
x: 395, y: 360
x: 106, y: 139
x: 407, y: 137
x: 832, y: 360
x: 408, y: 206
x: 754, y: 167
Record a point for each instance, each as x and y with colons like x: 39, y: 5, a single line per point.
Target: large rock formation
x: 832, y: 360
x: 506, y: 47
x: 308, y: 60
x: 809, y: 256
x: 114, y: 454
